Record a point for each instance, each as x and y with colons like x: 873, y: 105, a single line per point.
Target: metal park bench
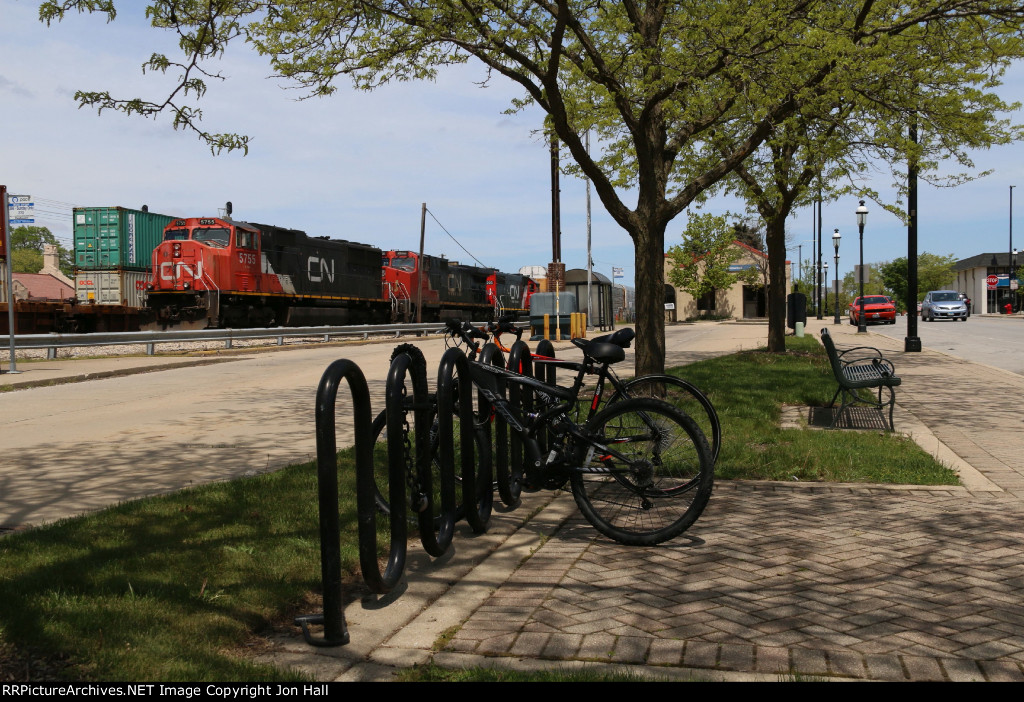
x: 860, y: 369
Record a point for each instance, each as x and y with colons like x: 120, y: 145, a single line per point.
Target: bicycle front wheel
x: 646, y: 474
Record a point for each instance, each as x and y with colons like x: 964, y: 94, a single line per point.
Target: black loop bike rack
x: 433, y: 420
x: 332, y: 619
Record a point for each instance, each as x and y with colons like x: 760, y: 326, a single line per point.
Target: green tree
x: 934, y: 272
x: 659, y: 83
x: 27, y: 244
x: 702, y: 261
x: 818, y: 153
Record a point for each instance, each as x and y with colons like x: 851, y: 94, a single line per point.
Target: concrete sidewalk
x: 776, y: 581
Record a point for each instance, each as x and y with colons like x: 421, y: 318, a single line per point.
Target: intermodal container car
x: 117, y: 287
x: 116, y: 238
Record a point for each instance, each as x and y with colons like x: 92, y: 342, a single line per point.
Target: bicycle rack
x: 453, y: 399
x: 333, y: 620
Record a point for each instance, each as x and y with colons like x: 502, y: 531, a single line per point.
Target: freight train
x: 218, y: 272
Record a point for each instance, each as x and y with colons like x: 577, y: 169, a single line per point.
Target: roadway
x: 996, y: 341
x: 75, y: 447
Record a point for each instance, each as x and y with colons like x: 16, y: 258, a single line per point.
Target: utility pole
x: 5, y: 248
x: 556, y: 271
x: 419, y: 266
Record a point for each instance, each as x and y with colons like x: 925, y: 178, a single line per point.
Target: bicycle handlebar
x: 465, y: 331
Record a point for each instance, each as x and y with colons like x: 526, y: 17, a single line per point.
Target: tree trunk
x: 649, y: 243
x: 775, y: 242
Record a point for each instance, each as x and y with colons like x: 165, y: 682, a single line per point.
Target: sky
x: 359, y: 165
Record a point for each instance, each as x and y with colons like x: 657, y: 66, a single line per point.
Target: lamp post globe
x: 836, y: 236
x: 862, y: 218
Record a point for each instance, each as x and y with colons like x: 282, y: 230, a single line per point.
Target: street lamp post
x: 862, y: 218
x: 824, y: 290
x: 836, y: 236
x: 1011, y: 279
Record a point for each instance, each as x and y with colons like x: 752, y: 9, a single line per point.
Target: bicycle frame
x: 485, y: 377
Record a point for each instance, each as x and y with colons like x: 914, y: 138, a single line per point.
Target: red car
x: 877, y: 308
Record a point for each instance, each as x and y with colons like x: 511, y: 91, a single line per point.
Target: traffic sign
x: 992, y: 281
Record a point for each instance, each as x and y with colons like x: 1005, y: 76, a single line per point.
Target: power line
x: 457, y: 241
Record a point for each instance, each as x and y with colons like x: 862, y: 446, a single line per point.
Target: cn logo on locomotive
x: 174, y: 271
x: 319, y: 268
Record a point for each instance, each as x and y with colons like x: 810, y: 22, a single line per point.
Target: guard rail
x: 52, y: 342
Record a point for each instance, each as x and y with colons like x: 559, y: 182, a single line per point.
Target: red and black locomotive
x: 217, y: 272
x: 452, y: 289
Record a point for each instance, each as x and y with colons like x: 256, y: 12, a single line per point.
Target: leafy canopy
x: 678, y: 93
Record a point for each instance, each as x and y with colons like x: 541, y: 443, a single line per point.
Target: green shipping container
x: 116, y: 237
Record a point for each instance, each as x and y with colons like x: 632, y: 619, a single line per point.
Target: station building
x: 740, y: 301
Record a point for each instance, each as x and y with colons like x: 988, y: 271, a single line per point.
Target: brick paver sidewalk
x: 873, y: 583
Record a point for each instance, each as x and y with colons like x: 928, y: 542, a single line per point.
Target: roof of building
x: 984, y: 260
x: 741, y: 245
x: 43, y: 286
x: 579, y: 275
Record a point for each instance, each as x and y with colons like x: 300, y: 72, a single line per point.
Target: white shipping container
x: 116, y: 287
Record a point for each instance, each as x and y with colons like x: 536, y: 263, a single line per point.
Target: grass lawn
x: 172, y: 588
x: 748, y: 390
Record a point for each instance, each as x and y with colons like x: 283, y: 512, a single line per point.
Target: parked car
x: 943, y: 304
x: 877, y: 308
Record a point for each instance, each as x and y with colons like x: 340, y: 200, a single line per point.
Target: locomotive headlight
x: 186, y: 285
x: 177, y: 250
x: 149, y: 287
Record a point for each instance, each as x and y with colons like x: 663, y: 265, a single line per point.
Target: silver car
x: 943, y: 304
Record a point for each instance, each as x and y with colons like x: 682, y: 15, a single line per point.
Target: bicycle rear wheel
x: 682, y: 395
x: 647, y: 474
x: 380, y: 465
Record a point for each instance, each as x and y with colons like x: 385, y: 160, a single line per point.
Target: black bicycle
x: 640, y: 470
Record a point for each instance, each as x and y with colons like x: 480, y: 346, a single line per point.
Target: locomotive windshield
x: 213, y: 236
x: 404, y: 263
x: 176, y: 235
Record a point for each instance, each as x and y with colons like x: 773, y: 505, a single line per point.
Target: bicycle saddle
x: 620, y: 338
x: 601, y: 351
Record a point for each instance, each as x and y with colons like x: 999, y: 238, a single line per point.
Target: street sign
x: 992, y: 281
x: 21, y: 209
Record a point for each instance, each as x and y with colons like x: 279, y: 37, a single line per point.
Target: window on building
x: 706, y: 302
